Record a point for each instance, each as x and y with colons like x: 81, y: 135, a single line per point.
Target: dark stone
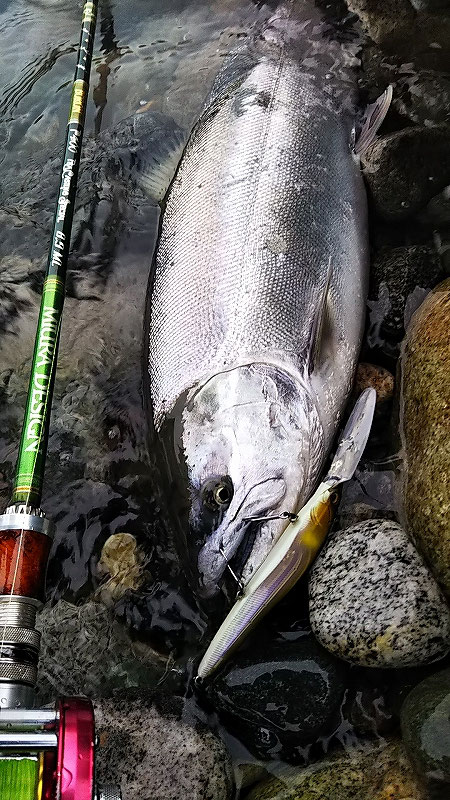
x: 431, y: 5
x: 358, y: 512
x: 280, y: 699
x: 406, y: 169
x: 425, y: 720
x: 396, y: 279
x: 423, y: 97
x: 368, y: 713
x: 384, y: 22
x: 400, y: 28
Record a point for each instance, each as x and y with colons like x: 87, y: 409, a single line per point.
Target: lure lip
x: 297, y: 546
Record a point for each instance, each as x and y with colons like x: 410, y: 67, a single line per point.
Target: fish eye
x: 217, y: 493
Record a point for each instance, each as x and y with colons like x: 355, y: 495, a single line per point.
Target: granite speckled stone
x: 373, y: 602
x: 425, y: 422
x: 149, y: 748
x: 381, y: 774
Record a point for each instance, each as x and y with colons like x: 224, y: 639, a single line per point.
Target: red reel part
x: 76, y: 745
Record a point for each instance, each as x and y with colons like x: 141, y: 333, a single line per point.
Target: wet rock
x: 370, y: 487
x: 358, y: 512
x: 279, y: 698
x: 375, y: 377
x: 423, y: 97
x: 431, y: 5
x: 384, y: 22
x: 148, y: 747
x: 437, y: 212
x: 249, y: 773
x: 398, y: 276
x: 373, y: 601
x: 84, y: 650
x: 398, y: 27
x: 375, y: 697
x: 381, y: 774
x: 425, y: 719
x: 426, y: 431
x: 405, y: 169
x: 120, y: 566
x: 368, y: 713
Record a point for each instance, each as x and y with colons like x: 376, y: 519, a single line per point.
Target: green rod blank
x: 33, y: 444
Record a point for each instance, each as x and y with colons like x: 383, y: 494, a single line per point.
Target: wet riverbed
x: 100, y: 478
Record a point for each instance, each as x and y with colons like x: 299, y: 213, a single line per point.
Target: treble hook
x: 284, y: 515
x: 239, y: 582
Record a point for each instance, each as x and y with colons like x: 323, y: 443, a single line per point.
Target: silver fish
x: 258, y: 291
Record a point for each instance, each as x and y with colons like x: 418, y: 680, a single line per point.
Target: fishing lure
x: 297, y: 546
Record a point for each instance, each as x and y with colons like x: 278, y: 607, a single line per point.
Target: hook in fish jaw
x: 239, y: 582
x: 284, y: 515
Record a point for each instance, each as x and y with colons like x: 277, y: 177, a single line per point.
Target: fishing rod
x: 44, y: 754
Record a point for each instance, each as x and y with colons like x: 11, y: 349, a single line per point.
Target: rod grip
x: 23, y: 563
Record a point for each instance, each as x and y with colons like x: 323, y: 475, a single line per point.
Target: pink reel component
x: 76, y: 743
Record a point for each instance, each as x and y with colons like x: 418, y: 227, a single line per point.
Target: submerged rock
x: 426, y: 431
x: 84, y: 650
x: 281, y: 697
x: 398, y: 28
x: 424, y: 97
x: 405, y: 169
x: 358, y: 512
x: 384, y: 22
x: 397, y: 276
x: 121, y: 566
x: 425, y: 719
x: 249, y: 773
x: 431, y: 5
x: 373, y: 601
x: 378, y: 378
x: 381, y: 774
x: 153, y: 753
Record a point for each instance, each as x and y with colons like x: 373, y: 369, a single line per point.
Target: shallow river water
x: 99, y: 476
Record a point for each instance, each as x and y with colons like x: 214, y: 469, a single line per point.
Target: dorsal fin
x: 374, y: 116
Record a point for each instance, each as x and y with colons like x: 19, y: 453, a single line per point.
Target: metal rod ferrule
x: 26, y: 518
x: 33, y: 444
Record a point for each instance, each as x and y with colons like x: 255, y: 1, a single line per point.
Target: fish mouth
x: 234, y: 539
x: 215, y: 556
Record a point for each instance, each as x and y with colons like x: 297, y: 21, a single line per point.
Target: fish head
x: 252, y: 444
